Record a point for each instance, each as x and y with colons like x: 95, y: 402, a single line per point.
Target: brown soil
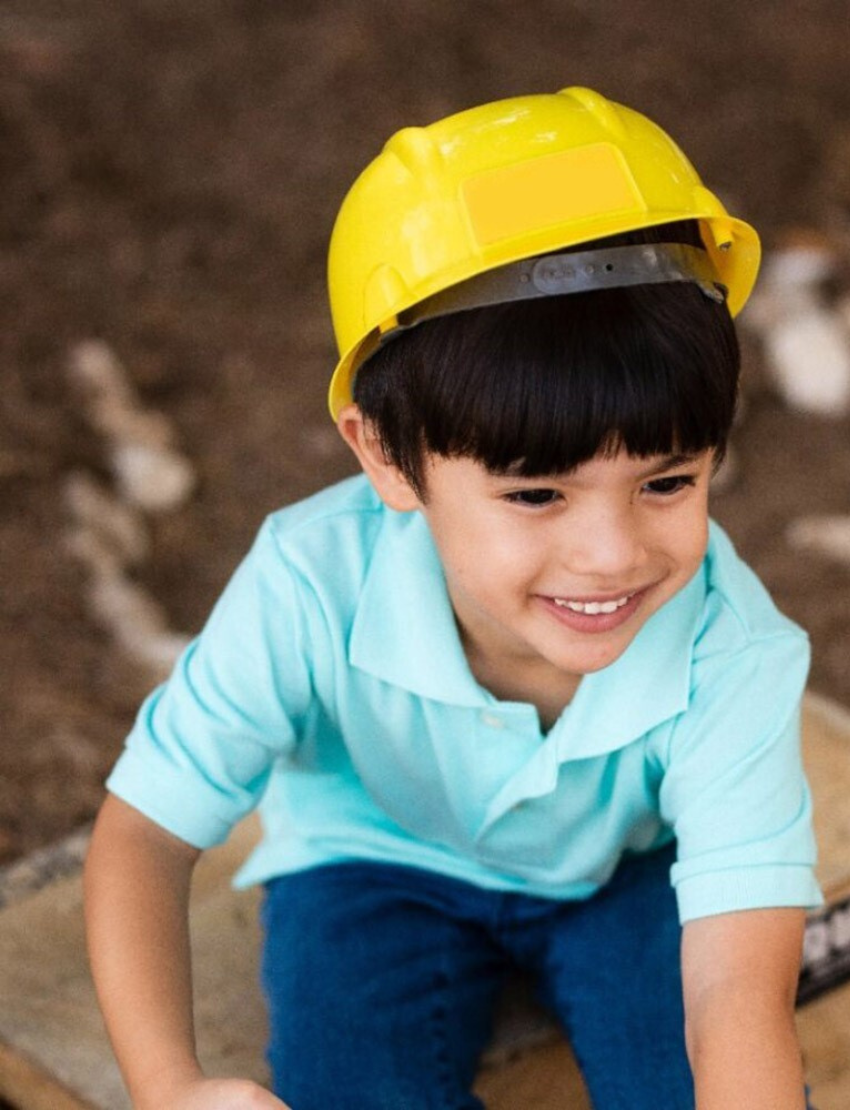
x: 171, y: 169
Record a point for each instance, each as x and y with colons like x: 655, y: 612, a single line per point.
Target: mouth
x: 602, y: 613
x: 594, y: 608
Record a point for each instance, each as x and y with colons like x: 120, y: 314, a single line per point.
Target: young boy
x: 509, y: 698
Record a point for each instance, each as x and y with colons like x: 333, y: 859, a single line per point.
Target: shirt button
x: 492, y: 720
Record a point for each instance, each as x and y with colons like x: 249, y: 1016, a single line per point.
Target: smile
x: 593, y: 608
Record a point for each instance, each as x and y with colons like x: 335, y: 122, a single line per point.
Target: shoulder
x: 308, y: 558
x: 749, y: 662
x: 739, y: 614
x: 294, y: 596
x: 351, y: 503
x: 316, y: 537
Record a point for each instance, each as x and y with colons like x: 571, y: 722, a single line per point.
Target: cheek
x: 693, y: 539
x: 680, y: 539
x: 489, y: 564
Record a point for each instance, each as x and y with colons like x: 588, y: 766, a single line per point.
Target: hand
x: 220, y: 1094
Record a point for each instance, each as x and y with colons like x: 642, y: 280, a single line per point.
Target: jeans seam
x: 439, y: 1004
x: 445, y: 1080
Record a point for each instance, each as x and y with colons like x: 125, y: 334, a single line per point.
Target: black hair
x: 539, y: 387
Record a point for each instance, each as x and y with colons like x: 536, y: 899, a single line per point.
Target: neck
x: 539, y: 684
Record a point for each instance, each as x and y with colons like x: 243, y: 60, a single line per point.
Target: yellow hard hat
x: 504, y: 182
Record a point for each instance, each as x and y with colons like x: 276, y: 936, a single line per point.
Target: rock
x: 149, y: 470
x: 137, y: 622
x: 806, y: 341
x: 97, y: 511
x: 152, y: 477
x: 827, y: 534
x: 808, y: 356
x: 109, y: 537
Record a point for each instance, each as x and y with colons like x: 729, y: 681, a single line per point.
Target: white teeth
x: 593, y: 608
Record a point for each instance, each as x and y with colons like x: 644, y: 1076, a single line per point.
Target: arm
x: 137, y: 883
x: 740, y: 975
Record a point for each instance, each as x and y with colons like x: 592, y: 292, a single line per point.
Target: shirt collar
x: 404, y: 630
x: 404, y: 633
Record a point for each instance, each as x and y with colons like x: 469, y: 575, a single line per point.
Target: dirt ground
x: 171, y: 169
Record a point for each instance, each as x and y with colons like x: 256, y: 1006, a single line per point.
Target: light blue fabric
x: 330, y: 686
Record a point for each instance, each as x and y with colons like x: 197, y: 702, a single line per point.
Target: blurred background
x: 170, y: 174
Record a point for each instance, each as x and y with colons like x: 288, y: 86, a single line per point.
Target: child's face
x: 562, y: 573
x: 552, y: 578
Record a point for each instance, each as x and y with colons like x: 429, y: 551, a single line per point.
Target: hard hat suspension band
x: 554, y: 275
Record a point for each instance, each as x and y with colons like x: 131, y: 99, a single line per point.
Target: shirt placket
x: 537, y: 776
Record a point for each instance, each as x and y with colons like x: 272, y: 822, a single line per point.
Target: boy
x: 507, y: 699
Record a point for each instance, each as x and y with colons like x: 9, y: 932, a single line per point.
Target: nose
x: 604, y: 544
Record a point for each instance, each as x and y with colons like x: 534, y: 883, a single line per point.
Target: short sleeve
x: 200, y: 753
x: 734, y: 790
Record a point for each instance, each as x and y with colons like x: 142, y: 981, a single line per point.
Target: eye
x: 532, y: 497
x: 666, y: 487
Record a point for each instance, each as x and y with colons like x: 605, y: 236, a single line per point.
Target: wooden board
x: 824, y: 1025
x: 54, y: 1054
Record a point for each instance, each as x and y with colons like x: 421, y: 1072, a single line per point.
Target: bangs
x: 538, y: 387
x: 541, y: 388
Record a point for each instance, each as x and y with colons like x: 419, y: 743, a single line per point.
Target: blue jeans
x: 381, y: 983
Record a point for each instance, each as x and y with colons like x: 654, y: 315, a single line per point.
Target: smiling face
x: 551, y: 579
x: 564, y: 572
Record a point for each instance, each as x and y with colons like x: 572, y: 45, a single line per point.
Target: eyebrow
x: 670, y: 462
x: 665, y: 463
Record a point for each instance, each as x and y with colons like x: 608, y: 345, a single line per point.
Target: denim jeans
x: 381, y: 983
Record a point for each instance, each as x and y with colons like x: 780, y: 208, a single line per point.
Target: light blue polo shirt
x: 330, y: 688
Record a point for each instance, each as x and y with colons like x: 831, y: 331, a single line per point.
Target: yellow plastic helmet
x: 504, y: 182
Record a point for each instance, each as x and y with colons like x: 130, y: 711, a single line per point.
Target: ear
x: 390, y: 483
